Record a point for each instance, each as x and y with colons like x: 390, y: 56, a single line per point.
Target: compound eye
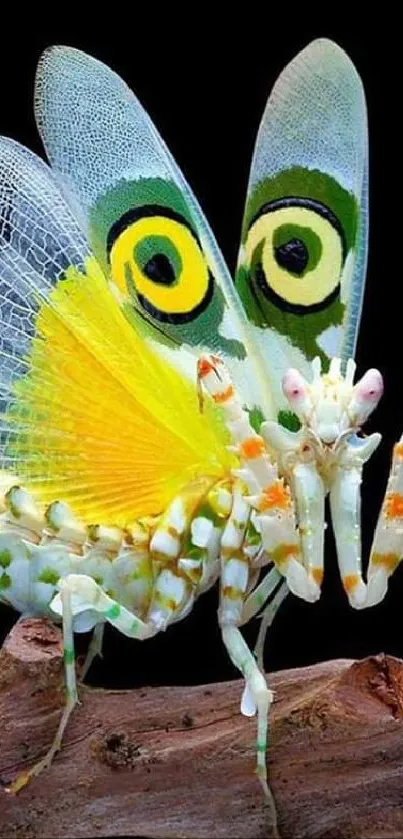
x: 370, y: 388
x: 366, y: 395
x: 296, y: 391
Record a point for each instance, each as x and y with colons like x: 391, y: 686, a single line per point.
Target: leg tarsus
x: 243, y: 659
x: 25, y: 777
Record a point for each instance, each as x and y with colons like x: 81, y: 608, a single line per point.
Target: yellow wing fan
x: 100, y: 419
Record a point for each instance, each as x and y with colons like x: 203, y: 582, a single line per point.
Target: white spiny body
x: 147, y: 576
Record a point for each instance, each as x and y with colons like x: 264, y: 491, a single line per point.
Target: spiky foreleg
x: 387, y: 546
x: 345, y: 504
x: 71, y: 693
x: 269, y: 496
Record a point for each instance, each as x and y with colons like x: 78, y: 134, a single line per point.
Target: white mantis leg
x: 71, y: 694
x: 387, y: 546
x: 253, y: 603
x: 233, y: 587
x: 257, y: 598
x: 345, y: 504
x: 267, y: 619
x: 80, y: 594
x: 235, y: 565
x: 309, y: 494
x: 94, y: 649
x: 244, y: 660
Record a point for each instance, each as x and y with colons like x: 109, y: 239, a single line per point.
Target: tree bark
x: 179, y: 761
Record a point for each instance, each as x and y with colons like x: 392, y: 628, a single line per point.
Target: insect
x: 161, y: 426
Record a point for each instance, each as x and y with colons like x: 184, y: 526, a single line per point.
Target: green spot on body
x: 195, y: 552
x: 206, y: 511
x: 134, y: 575
x: 253, y: 536
x: 68, y: 655
x: 5, y: 558
x: 288, y: 420
x: 256, y: 417
x: 5, y: 581
x: 112, y: 612
x: 134, y: 627
x: 98, y: 579
x: 49, y: 575
x: 261, y: 747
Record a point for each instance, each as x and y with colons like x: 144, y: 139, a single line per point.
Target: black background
x: 206, y: 89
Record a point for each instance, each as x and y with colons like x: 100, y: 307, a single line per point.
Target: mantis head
x: 330, y: 405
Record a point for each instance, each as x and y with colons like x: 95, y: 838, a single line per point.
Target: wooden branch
x: 179, y: 761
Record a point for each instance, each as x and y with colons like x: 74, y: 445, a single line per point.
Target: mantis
x: 164, y: 427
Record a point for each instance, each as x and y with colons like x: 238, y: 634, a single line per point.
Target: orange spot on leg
x: 283, y: 552
x: 224, y: 395
x: 388, y: 561
x: 393, y: 507
x: 204, y: 367
x: 275, y: 496
x: 252, y: 447
x: 207, y: 364
x: 350, y: 582
x: 232, y: 593
x: 317, y: 574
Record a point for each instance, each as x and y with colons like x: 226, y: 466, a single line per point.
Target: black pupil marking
x: 293, y: 256
x: 160, y: 270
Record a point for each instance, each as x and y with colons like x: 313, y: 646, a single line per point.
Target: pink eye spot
x: 293, y: 385
x: 370, y: 388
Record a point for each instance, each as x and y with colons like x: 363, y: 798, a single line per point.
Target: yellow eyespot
x: 296, y: 251
x: 159, y: 261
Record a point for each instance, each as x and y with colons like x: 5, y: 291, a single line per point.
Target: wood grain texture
x: 179, y: 761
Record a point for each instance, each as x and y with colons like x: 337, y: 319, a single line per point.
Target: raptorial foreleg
x: 268, y: 493
x: 345, y: 505
x: 387, y: 546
